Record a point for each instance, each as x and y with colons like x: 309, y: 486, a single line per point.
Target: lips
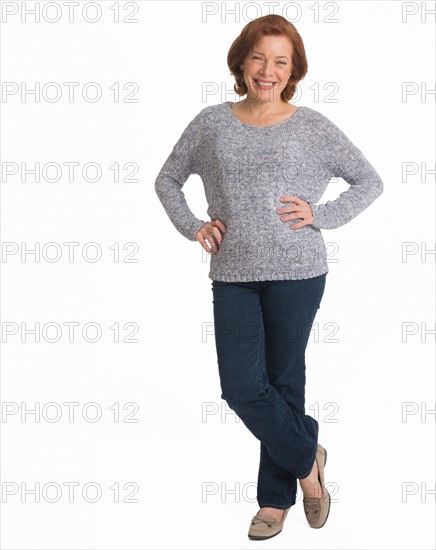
x: 265, y: 84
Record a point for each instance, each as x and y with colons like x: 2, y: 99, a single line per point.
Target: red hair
x: 267, y: 25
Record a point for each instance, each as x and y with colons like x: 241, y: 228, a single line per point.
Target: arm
x: 347, y: 162
x: 173, y: 175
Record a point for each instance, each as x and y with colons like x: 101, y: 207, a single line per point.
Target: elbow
x: 158, y: 186
x: 374, y: 185
x: 379, y: 187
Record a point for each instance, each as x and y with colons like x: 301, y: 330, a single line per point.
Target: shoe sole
x: 330, y: 502
x: 264, y: 538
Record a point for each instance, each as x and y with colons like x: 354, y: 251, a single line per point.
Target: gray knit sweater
x: 245, y: 169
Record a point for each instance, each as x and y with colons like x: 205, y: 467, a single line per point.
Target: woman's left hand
x: 301, y: 209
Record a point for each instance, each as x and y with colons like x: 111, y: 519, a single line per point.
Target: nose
x: 267, y: 67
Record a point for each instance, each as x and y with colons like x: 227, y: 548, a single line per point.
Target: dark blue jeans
x: 261, y: 333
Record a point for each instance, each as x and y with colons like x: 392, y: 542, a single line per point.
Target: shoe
x: 265, y: 527
x: 317, y: 509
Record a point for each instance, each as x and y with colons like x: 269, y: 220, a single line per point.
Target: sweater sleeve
x: 348, y: 162
x: 177, y: 168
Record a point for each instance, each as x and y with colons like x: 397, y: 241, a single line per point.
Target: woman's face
x: 267, y: 68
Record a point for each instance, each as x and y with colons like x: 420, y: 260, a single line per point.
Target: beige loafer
x: 264, y: 527
x: 317, y: 509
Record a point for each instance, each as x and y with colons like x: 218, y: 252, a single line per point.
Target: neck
x: 262, y: 107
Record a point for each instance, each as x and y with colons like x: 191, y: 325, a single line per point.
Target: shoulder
x: 323, y: 126
x: 317, y: 118
x: 208, y: 118
x: 212, y: 113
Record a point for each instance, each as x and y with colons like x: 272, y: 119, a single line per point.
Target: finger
x: 207, y: 241
x: 211, y: 242
x: 201, y: 240
x: 295, y: 213
x: 213, y: 237
x: 286, y: 209
x: 220, y: 225
x: 211, y: 232
x: 289, y: 217
x: 295, y: 199
x: 295, y: 208
x: 215, y: 233
x: 298, y: 225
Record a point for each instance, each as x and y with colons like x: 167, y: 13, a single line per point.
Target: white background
x: 196, y: 472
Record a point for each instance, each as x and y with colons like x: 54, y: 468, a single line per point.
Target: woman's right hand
x: 210, y: 233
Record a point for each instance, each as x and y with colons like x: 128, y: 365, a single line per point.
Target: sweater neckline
x: 236, y: 119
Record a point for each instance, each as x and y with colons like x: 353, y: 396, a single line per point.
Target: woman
x: 264, y: 164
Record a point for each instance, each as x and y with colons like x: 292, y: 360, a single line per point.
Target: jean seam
x: 259, y: 361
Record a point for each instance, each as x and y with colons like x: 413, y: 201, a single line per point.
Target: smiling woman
x: 287, y: 55
x: 264, y: 164
x: 268, y: 72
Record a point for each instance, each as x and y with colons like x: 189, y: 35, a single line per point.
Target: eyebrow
x: 255, y: 51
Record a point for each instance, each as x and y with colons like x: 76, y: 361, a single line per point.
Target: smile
x: 265, y: 84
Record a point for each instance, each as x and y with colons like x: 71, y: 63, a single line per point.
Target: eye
x: 282, y: 62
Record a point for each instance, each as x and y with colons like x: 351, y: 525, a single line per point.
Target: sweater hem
x: 248, y: 276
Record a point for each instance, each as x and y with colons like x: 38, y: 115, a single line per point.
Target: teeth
x: 265, y: 84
